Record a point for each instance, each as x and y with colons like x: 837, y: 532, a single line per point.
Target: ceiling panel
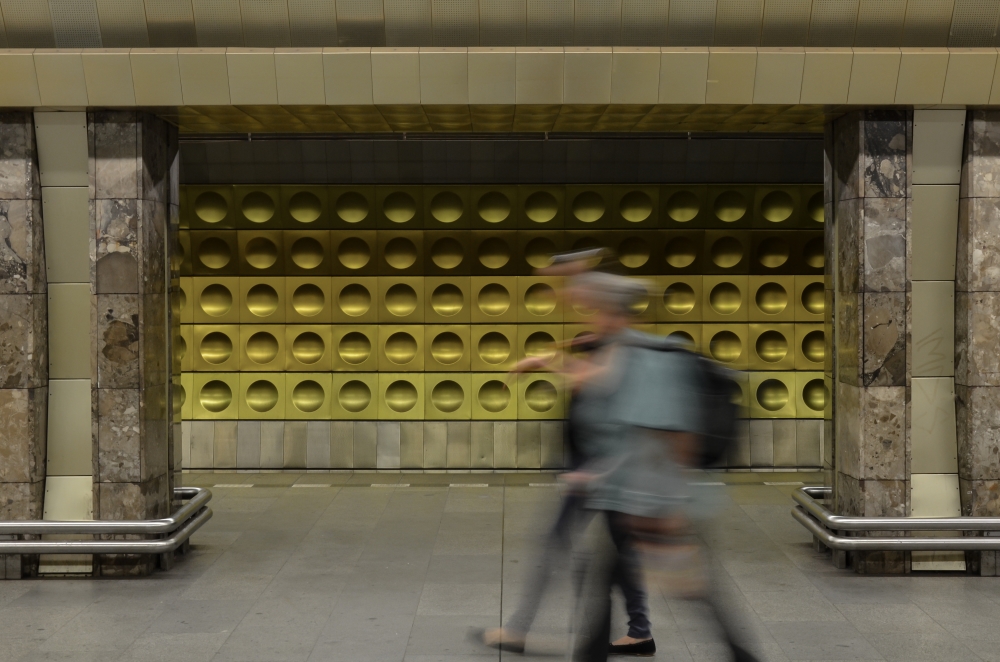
x: 786, y: 22
x: 3, y: 32
x: 550, y: 23
x: 408, y: 23
x: 170, y: 23
x: 75, y: 23
x: 644, y: 22
x: 123, y: 23
x: 880, y: 23
x: 312, y: 22
x: 28, y: 23
x: 974, y: 23
x: 927, y: 22
x: 218, y: 22
x: 597, y: 22
x: 456, y: 22
x: 360, y: 23
x: 832, y: 22
x: 502, y: 22
x: 737, y: 22
x: 692, y: 23
x: 265, y: 23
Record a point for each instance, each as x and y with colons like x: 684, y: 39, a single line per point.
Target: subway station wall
x: 372, y: 326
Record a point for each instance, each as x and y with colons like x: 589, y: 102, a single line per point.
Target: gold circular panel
x: 400, y: 300
x: 214, y: 253
x: 180, y: 394
x: 308, y: 300
x: 813, y: 298
x: 773, y: 252
x: 258, y: 207
x: 725, y: 298
x: 814, y: 394
x: 541, y: 207
x: 262, y: 348
x: 262, y: 300
x: 307, y: 253
x: 216, y: 300
x: 262, y: 396
x: 447, y: 396
x: 308, y: 396
x: 540, y: 396
x: 355, y: 396
x: 681, y: 252
x: 493, y: 299
x: 772, y: 346
x: 771, y: 298
x: 354, y: 300
x: 494, y: 253
x: 540, y: 299
x: 682, y: 335
x: 447, y: 253
x: 216, y: 347
x: 180, y: 347
x: 814, y: 346
x: 400, y: 348
x: 494, y: 348
x: 447, y: 300
x: 447, y: 348
x: 399, y: 207
x: 494, y: 396
x: 730, y: 206
x: 210, y: 207
x: 181, y: 298
x: 401, y: 396
x: 815, y: 207
x: 635, y: 206
x: 352, y: 207
x: 772, y: 395
x: 261, y: 253
x: 305, y: 207
x: 633, y: 253
x: 215, y: 396
x: 726, y: 252
x: 725, y: 347
x: 447, y: 207
x: 308, y: 348
x: 400, y: 253
x: 540, y: 345
x: 812, y: 253
x: 494, y: 207
x: 587, y: 207
x: 777, y: 206
x: 354, y: 252
x: 683, y: 206
x: 539, y: 251
x: 354, y: 348
x: 679, y: 299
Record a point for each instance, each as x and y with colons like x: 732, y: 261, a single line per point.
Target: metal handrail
x: 856, y: 544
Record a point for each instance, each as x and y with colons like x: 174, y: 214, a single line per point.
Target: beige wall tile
x: 18, y: 80
x: 731, y: 73
x: 492, y: 75
x: 348, y: 76
x: 395, y: 76
x: 108, y: 73
x: 933, y: 232
x: 61, y: 81
x: 252, y: 78
x: 969, y: 79
x: 299, y: 74
x: 587, y: 75
x: 778, y: 78
x: 539, y: 75
x: 204, y: 76
x: 156, y: 77
x: 444, y: 76
x: 921, y: 75
x: 635, y: 75
x: 683, y: 75
x: 874, y: 75
x: 826, y: 75
x: 933, y: 443
x: 933, y: 330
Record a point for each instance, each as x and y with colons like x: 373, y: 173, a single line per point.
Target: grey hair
x: 610, y: 292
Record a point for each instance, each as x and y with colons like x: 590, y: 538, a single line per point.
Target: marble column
x: 133, y: 193
x: 23, y: 329
x: 869, y: 202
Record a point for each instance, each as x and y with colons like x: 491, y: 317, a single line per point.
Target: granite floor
x: 386, y: 567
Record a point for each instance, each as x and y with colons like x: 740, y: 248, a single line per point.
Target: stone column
x: 23, y: 329
x: 870, y: 200
x: 133, y: 195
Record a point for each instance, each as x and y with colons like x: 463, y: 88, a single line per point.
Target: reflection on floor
x: 341, y: 567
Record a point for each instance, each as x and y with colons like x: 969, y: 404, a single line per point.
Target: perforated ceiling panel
x: 737, y: 22
x: 3, y: 32
x: 644, y: 22
x: 597, y: 22
x: 456, y: 22
x: 123, y: 23
x: 786, y: 22
x: 692, y: 22
x: 75, y: 23
x: 265, y: 23
x: 28, y: 24
x: 880, y: 23
x: 550, y: 23
x: 170, y: 23
x: 502, y: 22
x: 218, y: 23
x: 832, y: 22
x: 408, y: 23
x: 927, y: 22
x: 974, y: 23
x: 360, y: 23
x: 312, y: 22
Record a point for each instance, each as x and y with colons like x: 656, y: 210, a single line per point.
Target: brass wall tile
x: 305, y: 208
x: 308, y: 253
x: 262, y: 347
x: 354, y: 253
x: 684, y: 207
x: 215, y: 396
x: 214, y: 253
x: 540, y: 396
x: 678, y: 299
x: 493, y: 347
x: 400, y: 396
x: 354, y: 396
x: 400, y: 252
x: 493, y: 207
x: 309, y: 300
x: 808, y: 251
x: 637, y: 253
x: 810, y: 347
x: 447, y: 253
x: 772, y: 347
x: 742, y: 379
x: 576, y: 310
x: 777, y: 207
x: 540, y: 207
x: 725, y: 298
x: 184, y: 253
x: 399, y: 207
x: 494, y: 299
x: 447, y: 347
x: 590, y: 207
x: 809, y: 299
x: 773, y: 252
x: 535, y: 249
x: 354, y: 300
x: 539, y: 299
x: 257, y: 207
x: 729, y: 206
x: 811, y: 395
x: 553, y: 445
x: 636, y: 207
x: 448, y: 396
x: 572, y: 332
x: 262, y: 300
x: 644, y: 311
x: 262, y: 395
x: 400, y: 299
x: 185, y: 211
x: 216, y: 300
x: 216, y: 347
x: 186, y: 394
x: 354, y: 347
x: 772, y: 298
x: 691, y: 333
x: 493, y: 253
x: 773, y: 394
x: 493, y: 397
x: 185, y: 300
x: 447, y: 207
x: 579, y: 240
x: 184, y: 347
x: 541, y: 341
x: 481, y: 433
x: 448, y: 299
x: 727, y: 344
x: 811, y: 209
x: 309, y: 347
x: 209, y: 207
x: 261, y: 252
x: 308, y: 396
x: 727, y: 252
x: 529, y: 440
x: 351, y: 207
x: 401, y: 347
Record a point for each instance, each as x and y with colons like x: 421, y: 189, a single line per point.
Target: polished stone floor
x: 387, y: 567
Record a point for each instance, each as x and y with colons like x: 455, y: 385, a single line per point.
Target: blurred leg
x: 628, y: 576
x: 593, y: 622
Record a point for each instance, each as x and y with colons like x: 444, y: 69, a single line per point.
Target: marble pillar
x: 133, y: 195
x: 23, y: 329
x: 868, y: 259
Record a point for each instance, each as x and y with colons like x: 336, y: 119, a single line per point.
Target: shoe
x: 479, y: 634
x: 639, y: 649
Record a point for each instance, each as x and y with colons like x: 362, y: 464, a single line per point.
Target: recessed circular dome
x: 588, y: 207
x: 401, y: 396
x: 307, y: 253
x: 540, y: 299
x: 352, y: 207
x: 730, y: 206
x: 308, y: 396
x: 354, y: 396
x: 261, y: 253
x: 772, y: 395
x: 679, y: 299
x: 635, y: 206
x: 214, y: 253
x: 494, y: 396
x: 262, y: 396
x: 354, y: 252
x: 814, y: 394
x: 215, y: 396
x: 725, y: 298
x: 540, y: 396
x: 540, y: 345
x: 727, y: 252
x: 494, y: 207
x: 541, y: 207
x: 771, y: 346
x: 681, y: 252
x: 771, y: 298
x: 539, y: 251
x: 354, y: 300
x: 725, y: 347
x: 633, y: 252
x: 400, y: 348
x: 683, y: 206
x: 305, y: 207
x: 216, y: 348
x: 210, y: 207
x: 494, y: 253
x: 262, y: 348
x: 258, y: 207
x: 814, y: 346
x: 815, y: 208
x: 777, y: 206
x: 447, y: 396
x: 215, y: 300
x: 493, y: 299
x: 399, y: 207
x: 447, y: 348
x: 308, y: 300
x: 813, y: 298
x: 308, y: 348
x: 447, y: 253
x: 262, y: 300
x: 400, y: 300
x: 494, y: 348
x: 447, y: 300
x: 400, y: 253
x: 354, y: 348
x: 447, y: 207
x: 773, y: 252
x: 812, y: 253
